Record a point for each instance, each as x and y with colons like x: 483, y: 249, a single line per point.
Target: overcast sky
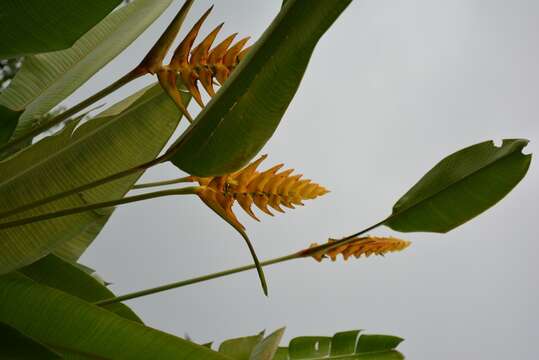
x: 393, y: 87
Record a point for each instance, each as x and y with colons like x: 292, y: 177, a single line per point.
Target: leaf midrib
x: 452, y: 184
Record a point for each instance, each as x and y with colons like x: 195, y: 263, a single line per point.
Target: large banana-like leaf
x: 58, y: 273
x: 460, y: 187
x: 46, y: 79
x: 77, y: 329
x: 17, y: 346
x: 344, y: 345
x: 130, y: 133
x: 35, y: 26
x: 243, y: 115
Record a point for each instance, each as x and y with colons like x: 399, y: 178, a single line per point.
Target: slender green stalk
x: 183, y: 191
x: 130, y: 76
x: 162, y: 183
x: 142, y: 167
x: 296, y: 255
x: 178, y: 284
x: 81, y: 188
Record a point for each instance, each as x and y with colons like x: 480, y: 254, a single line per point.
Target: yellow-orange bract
x: 362, y: 246
x: 201, y: 64
x: 266, y: 189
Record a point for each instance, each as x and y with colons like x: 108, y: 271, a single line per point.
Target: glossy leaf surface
x: 35, y: 26
x: 78, y: 329
x: 460, y: 187
x: 58, y: 273
x: 245, y: 112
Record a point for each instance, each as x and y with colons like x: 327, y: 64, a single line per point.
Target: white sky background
x: 392, y: 88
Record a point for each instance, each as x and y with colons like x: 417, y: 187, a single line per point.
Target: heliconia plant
x: 53, y: 207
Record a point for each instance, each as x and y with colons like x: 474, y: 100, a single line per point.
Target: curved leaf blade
x: 58, y: 273
x: 243, y: 115
x: 17, y: 346
x: 460, y: 187
x: 124, y: 136
x: 46, y: 79
x: 35, y: 26
x: 72, y: 326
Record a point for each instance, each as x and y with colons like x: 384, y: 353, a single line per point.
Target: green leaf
x: 8, y: 123
x: 252, y: 347
x: 34, y: 26
x: 266, y: 349
x: 129, y: 134
x: 17, y: 346
x: 243, y: 115
x: 74, y: 327
x: 344, y: 345
x: 58, y: 273
x: 240, y: 348
x: 460, y: 187
x: 46, y: 79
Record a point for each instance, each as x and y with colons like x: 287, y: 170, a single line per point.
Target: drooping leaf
x: 17, y: 346
x: 460, y: 187
x: 130, y: 133
x: 76, y: 328
x: 46, y: 79
x: 245, y: 112
x: 344, y: 345
x: 58, y: 273
x: 36, y: 26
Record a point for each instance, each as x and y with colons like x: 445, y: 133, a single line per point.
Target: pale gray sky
x: 392, y: 88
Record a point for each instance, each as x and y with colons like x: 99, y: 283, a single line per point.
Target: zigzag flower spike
x: 362, y: 246
x: 266, y: 189
x: 201, y: 63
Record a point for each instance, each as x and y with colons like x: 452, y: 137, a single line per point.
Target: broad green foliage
x: 343, y: 345
x: 8, y: 123
x: 17, y: 346
x: 46, y: 79
x: 63, y: 22
x: 460, y: 187
x: 58, y: 273
x: 74, y: 327
x: 243, y: 115
x: 128, y: 134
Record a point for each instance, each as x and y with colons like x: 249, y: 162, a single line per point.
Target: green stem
x: 130, y: 76
x: 184, y: 191
x: 297, y: 255
x: 81, y: 188
x: 162, y: 183
x: 178, y: 284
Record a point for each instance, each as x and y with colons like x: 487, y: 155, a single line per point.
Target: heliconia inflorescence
x: 266, y: 189
x: 362, y: 246
x: 201, y: 63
